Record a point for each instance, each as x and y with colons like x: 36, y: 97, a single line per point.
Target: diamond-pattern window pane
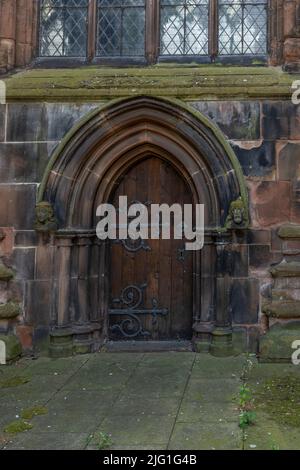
x: 121, y: 28
x: 63, y: 28
x: 184, y: 27
x: 243, y: 27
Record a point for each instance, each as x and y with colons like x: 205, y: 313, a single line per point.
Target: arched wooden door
x: 151, y: 291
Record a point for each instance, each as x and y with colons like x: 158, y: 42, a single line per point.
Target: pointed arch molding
x: 88, y: 163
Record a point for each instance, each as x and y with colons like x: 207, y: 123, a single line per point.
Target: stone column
x: 222, y: 334
x: 291, y: 31
x: 8, y: 11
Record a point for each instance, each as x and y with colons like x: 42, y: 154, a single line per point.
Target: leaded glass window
x: 63, y: 28
x: 121, y: 28
x: 147, y: 31
x: 184, y: 27
x: 242, y: 27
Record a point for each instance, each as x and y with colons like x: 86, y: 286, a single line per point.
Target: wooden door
x: 151, y: 282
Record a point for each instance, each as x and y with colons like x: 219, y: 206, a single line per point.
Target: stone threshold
x: 149, y: 346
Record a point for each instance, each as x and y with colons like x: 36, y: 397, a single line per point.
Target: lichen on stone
x: 18, y: 426
x: 279, y: 397
x: 30, y: 413
x: 9, y: 310
x: 6, y: 274
x: 13, y: 382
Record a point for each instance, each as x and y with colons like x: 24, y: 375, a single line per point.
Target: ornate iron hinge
x: 131, y: 326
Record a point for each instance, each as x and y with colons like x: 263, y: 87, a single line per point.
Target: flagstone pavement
x: 151, y: 401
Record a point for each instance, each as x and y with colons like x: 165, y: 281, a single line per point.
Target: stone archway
x: 83, y: 173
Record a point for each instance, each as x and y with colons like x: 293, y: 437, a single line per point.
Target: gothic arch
x: 90, y: 158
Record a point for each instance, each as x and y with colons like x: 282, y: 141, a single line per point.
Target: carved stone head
x: 237, y: 214
x: 45, y: 220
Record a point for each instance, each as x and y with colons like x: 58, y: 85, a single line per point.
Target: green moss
x: 30, y: 413
x: 185, y: 81
x: 6, y: 274
x: 13, y: 382
x: 12, y: 345
x: 279, y: 397
x: 18, y: 426
x: 9, y: 310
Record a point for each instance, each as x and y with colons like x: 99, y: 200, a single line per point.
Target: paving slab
x: 150, y: 401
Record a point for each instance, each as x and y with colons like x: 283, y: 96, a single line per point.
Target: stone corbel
x: 45, y: 220
x: 237, y: 216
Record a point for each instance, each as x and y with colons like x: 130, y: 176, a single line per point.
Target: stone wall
x: 18, y: 33
x: 265, y: 136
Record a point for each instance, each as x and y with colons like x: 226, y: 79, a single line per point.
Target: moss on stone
x: 12, y: 345
x: 13, y: 382
x: 279, y: 397
x: 30, y: 413
x: 282, y: 309
x: 289, y: 231
x: 190, y: 81
x: 9, y: 310
x: 18, y: 426
x: 285, y: 269
x: 6, y: 274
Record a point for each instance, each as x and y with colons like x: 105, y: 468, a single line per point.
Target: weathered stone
x: 270, y: 202
x: 61, y: 343
x: 244, y: 301
x: 13, y: 347
x: 6, y: 241
x: 37, y: 303
x: 285, y: 269
x: 9, y: 310
x: 291, y: 54
x: 239, y: 339
x: 238, y: 120
x: 259, y: 256
x: 2, y: 121
x: 282, y: 309
x: 45, y: 220
x: 239, y: 260
x: 276, y: 345
x: 221, y: 345
x: 25, y: 238
x: 23, y: 262
x: 24, y: 162
x: 256, y: 237
x: 42, y: 122
x: 17, y: 204
x: 257, y: 159
x: 237, y: 215
x: 253, y: 335
x: 6, y: 274
x: 280, y: 120
x: 25, y: 335
x: 288, y: 161
x: 289, y: 231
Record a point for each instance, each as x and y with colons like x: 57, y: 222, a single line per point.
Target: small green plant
x: 247, y: 415
x: 100, y: 440
x: 274, y: 446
